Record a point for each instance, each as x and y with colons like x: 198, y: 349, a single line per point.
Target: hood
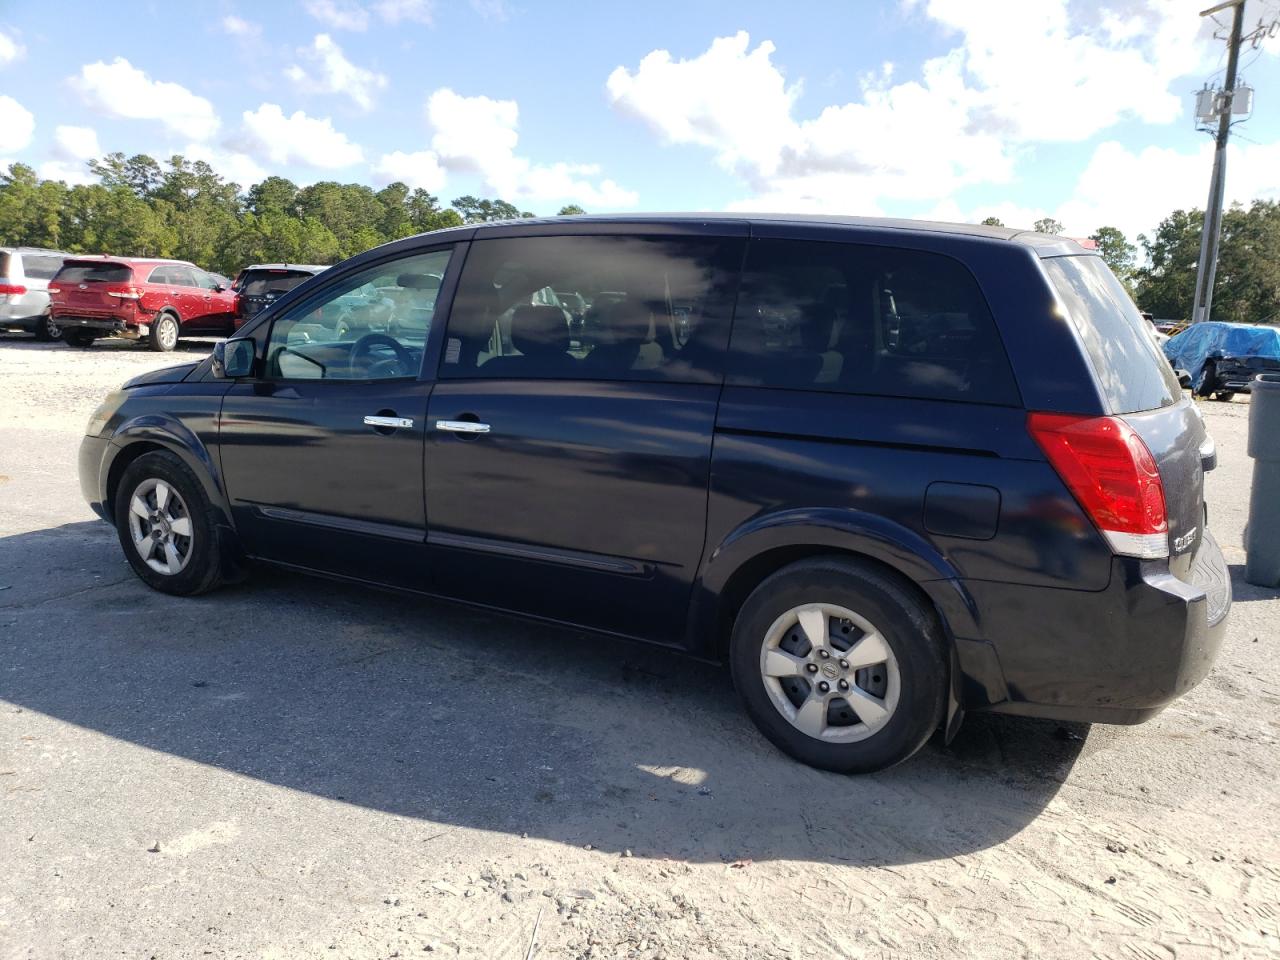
x: 174, y: 374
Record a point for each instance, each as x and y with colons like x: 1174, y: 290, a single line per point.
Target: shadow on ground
x: 188, y: 349
x: 427, y: 710
x: 1242, y: 591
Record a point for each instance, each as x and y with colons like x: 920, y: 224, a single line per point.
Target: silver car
x: 24, y: 289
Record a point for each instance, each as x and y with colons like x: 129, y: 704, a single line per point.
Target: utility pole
x: 1213, y: 210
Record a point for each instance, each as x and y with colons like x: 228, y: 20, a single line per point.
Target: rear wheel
x: 1224, y: 395
x: 46, y: 330
x: 839, y: 665
x: 79, y: 338
x: 164, y: 333
x: 164, y: 525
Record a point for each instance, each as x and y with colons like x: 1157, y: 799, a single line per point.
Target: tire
x: 164, y: 333
x: 1226, y: 396
x: 194, y: 564
x: 46, y: 330
x: 909, y: 683
x: 79, y: 338
x: 1208, y: 377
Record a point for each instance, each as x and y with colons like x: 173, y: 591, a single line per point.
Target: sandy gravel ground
x: 290, y: 768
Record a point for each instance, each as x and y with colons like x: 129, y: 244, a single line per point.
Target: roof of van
x: 1045, y: 244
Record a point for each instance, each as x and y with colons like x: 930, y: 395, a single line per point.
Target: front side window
x: 372, y: 325
x: 593, y: 308
x: 854, y: 318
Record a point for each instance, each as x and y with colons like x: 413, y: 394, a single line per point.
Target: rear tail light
x: 12, y: 289
x: 1112, y: 474
x: 124, y: 293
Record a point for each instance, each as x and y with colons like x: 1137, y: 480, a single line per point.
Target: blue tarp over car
x: 1199, y: 342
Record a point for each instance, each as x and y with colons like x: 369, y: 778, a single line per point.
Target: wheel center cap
x: 830, y: 670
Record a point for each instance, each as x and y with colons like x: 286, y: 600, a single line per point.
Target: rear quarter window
x: 95, y: 273
x: 1130, y: 368
x: 863, y: 319
x: 39, y: 266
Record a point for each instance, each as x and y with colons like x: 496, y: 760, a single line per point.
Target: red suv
x: 158, y: 300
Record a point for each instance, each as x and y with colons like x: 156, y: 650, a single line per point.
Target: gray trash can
x: 1262, y: 537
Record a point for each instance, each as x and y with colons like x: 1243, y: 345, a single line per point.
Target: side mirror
x: 233, y: 359
x: 219, y: 288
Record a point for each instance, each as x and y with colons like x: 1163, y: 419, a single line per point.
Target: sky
x: 942, y: 109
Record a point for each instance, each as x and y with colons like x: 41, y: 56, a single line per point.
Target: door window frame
x: 268, y: 317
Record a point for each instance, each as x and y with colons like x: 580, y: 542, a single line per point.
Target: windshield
x: 1132, y: 372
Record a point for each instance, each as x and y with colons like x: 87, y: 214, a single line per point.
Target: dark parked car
x: 138, y: 299
x: 260, y: 285
x: 876, y: 472
x: 1221, y: 359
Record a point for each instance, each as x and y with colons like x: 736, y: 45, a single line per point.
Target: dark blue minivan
x: 887, y: 471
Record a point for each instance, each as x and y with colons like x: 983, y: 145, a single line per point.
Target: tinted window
x: 4, y: 264
x: 851, y: 318
x: 40, y: 267
x: 1131, y: 370
x: 182, y: 277
x: 206, y: 281
x: 601, y: 308
x: 94, y: 273
x: 261, y: 283
x: 372, y: 325
x: 161, y: 275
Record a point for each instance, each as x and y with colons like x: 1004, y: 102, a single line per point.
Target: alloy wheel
x: 830, y: 673
x: 160, y: 525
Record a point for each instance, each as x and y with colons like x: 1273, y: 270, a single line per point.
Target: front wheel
x: 163, y: 521
x: 1225, y: 395
x: 46, y: 330
x: 164, y: 333
x: 839, y: 665
x: 1208, y: 376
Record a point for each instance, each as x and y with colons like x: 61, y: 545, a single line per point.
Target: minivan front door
x: 322, y: 453
x: 569, y: 433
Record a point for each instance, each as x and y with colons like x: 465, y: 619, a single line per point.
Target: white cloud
x: 232, y: 165
x: 11, y: 51
x: 270, y: 136
x: 76, y: 143
x: 17, y: 124
x: 1018, y: 74
x: 421, y: 169
x: 118, y: 89
x: 1135, y: 190
x: 334, y: 73
x: 416, y: 11
x: 478, y: 135
x: 239, y: 27
x: 339, y: 14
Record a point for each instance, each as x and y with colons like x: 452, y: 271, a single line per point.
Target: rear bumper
x: 21, y: 316
x: 1118, y: 655
x: 107, y: 326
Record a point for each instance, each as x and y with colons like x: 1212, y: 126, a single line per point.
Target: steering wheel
x: 362, y: 355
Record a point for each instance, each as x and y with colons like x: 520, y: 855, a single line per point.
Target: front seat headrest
x: 539, y: 330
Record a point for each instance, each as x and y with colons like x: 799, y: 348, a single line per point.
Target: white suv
x: 24, y: 289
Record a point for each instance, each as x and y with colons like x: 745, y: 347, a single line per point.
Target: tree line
x: 186, y: 210
x: 1247, y: 285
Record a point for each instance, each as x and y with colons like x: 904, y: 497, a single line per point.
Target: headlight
x: 97, y: 424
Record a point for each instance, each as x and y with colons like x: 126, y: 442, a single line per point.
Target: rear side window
x: 853, y: 318
x: 40, y: 267
x: 4, y: 264
x: 94, y: 273
x: 261, y: 283
x: 1131, y: 370
x: 593, y: 308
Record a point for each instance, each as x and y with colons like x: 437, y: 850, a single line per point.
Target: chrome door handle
x: 462, y: 426
x: 393, y: 422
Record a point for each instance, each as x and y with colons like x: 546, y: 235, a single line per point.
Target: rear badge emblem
x: 1183, y: 543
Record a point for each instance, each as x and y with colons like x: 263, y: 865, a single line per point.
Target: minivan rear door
x: 1138, y: 385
